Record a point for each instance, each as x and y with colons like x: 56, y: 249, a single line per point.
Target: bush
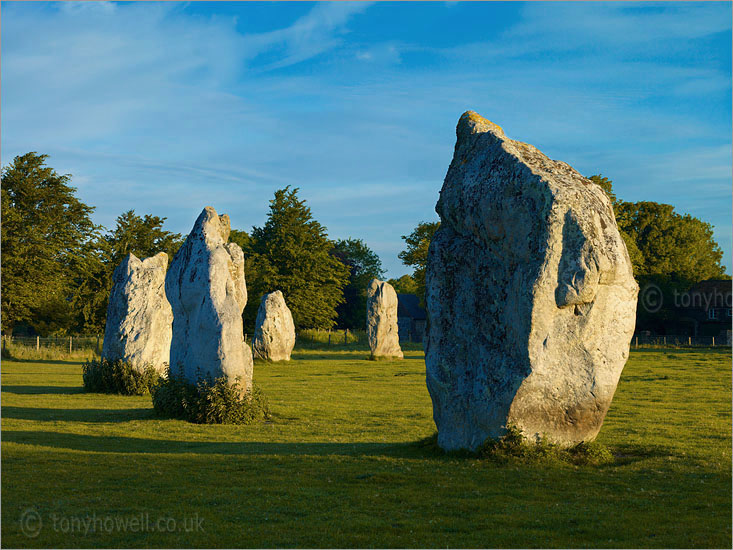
x: 208, y: 402
x: 513, y: 447
x: 104, y: 376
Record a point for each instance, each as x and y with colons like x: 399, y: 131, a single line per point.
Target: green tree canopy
x: 46, y: 234
x: 364, y: 265
x: 416, y: 253
x: 292, y: 253
x: 404, y: 285
x: 662, y: 242
x: 142, y: 236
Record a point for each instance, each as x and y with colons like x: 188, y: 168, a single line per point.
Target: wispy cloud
x: 156, y: 108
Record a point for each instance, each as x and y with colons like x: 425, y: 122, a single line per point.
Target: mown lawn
x: 338, y: 465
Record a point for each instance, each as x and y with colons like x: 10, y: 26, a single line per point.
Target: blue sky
x: 167, y: 108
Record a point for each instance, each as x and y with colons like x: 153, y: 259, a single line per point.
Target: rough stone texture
x: 206, y: 288
x: 274, y: 336
x: 139, y: 317
x: 384, y: 339
x: 530, y: 295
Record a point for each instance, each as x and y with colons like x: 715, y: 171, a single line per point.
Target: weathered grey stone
x: 206, y: 288
x: 274, y: 336
x: 382, y: 332
x: 139, y: 317
x: 530, y: 295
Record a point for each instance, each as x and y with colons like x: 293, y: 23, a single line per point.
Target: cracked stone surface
x: 139, y: 317
x: 206, y: 288
x: 530, y: 295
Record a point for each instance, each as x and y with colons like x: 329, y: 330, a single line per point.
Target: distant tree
x: 141, y: 236
x: 671, y: 244
x: 45, y: 230
x: 664, y: 243
x: 133, y: 234
x: 292, y: 253
x: 668, y: 250
x: 635, y: 255
x: 404, y: 285
x: 364, y: 265
x: 416, y: 253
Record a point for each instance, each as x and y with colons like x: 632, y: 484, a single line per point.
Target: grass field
x: 339, y: 465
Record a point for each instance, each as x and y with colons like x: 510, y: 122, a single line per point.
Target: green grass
x: 339, y: 464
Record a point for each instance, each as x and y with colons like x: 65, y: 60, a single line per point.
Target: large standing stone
x: 205, y: 286
x: 384, y: 339
x: 139, y: 317
x: 530, y: 295
x: 274, y: 336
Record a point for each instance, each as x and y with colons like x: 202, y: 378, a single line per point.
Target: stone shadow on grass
x: 40, y: 390
x: 77, y: 415
x: 47, y: 361
x: 134, y: 445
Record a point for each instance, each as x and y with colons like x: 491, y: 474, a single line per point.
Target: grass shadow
x: 134, y: 445
x: 40, y: 390
x: 77, y: 415
x: 47, y: 361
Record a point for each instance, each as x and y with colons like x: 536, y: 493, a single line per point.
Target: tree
x: 671, y: 244
x: 292, y: 253
x: 669, y: 250
x: 45, y: 230
x: 635, y: 255
x: 404, y: 285
x: 416, y: 253
x: 664, y: 243
x: 364, y: 265
x: 141, y: 236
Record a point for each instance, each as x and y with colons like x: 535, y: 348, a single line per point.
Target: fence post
x: 637, y: 342
x: 664, y: 340
x: 713, y: 341
x: 69, y: 344
x: 38, y: 342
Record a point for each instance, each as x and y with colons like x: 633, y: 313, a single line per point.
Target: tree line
x: 670, y: 250
x: 57, y: 264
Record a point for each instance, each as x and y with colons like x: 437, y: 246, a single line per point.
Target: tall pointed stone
x: 206, y: 289
x: 138, y: 328
x: 384, y: 340
x: 530, y: 295
x: 274, y: 336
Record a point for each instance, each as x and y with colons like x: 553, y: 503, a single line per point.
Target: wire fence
x: 679, y: 341
x: 65, y: 347
x: 76, y: 347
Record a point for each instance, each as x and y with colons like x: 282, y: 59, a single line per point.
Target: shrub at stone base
x: 104, y: 376
x: 208, y: 402
x: 514, y: 447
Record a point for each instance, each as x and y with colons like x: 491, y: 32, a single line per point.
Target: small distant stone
x: 382, y: 320
x: 274, y: 337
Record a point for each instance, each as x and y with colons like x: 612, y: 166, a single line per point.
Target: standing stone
x: 384, y: 339
x: 139, y: 317
x: 274, y: 336
x: 205, y: 286
x: 530, y: 295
